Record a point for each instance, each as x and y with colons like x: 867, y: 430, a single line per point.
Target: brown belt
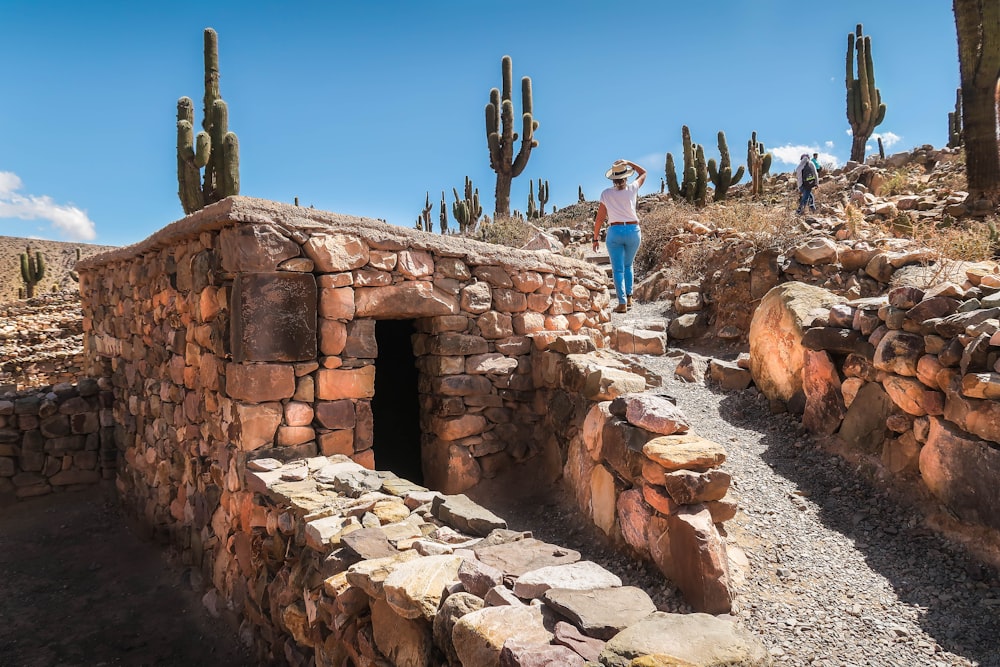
x: 613, y: 224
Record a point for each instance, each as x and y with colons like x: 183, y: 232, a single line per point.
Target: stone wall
x: 911, y: 378
x: 55, y: 440
x: 329, y: 563
x: 637, y: 471
x: 41, y: 341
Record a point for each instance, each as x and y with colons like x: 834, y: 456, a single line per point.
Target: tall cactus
x: 673, y: 187
x: 215, y: 149
x: 424, y: 219
x: 694, y: 184
x: 467, y: 210
x: 955, y: 122
x: 865, y: 110
x: 543, y: 196
x: 977, y: 24
x: 722, y: 176
x: 532, y: 209
x: 500, y: 135
x: 32, y: 270
x: 443, y: 216
x: 758, y: 163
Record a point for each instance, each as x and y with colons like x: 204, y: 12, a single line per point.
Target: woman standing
x: 618, y: 210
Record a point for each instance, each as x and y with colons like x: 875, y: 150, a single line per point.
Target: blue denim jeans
x: 623, y: 244
x: 806, y: 199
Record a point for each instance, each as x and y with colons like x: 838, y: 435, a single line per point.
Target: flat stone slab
x: 369, y: 543
x: 465, y: 516
x: 584, y: 575
x: 692, y: 640
x: 601, y: 612
x: 516, y: 558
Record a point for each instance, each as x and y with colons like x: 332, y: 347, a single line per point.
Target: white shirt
x: 621, y: 203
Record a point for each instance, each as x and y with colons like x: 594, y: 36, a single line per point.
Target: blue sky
x: 363, y: 107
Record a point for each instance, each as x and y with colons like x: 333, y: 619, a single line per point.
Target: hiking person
x: 622, y: 240
x: 815, y: 161
x: 806, y: 177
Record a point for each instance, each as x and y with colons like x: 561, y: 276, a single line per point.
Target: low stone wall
x: 56, y: 440
x: 41, y: 341
x: 636, y: 470
x: 911, y: 377
x: 329, y: 563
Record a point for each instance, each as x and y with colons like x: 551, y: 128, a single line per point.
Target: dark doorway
x: 395, y: 407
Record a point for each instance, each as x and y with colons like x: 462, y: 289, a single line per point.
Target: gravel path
x: 839, y: 574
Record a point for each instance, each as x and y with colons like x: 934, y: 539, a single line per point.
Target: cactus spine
x: 215, y: 148
x: 32, y: 270
x: 955, y: 122
x: 466, y: 211
x: 500, y: 135
x: 722, y: 176
x: 759, y: 163
x: 865, y: 110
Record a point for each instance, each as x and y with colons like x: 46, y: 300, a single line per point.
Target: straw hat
x: 619, y: 170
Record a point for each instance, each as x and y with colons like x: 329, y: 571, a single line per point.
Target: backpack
x: 809, y: 174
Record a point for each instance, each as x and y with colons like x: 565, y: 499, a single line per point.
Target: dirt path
x: 77, y: 587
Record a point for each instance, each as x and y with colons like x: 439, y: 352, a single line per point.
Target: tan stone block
x: 365, y: 458
x: 370, y: 278
x: 509, y: 301
x: 332, y: 337
x: 560, y: 322
x: 258, y: 383
x: 461, y: 427
x: 336, y: 442
x: 685, y: 452
x: 603, y: 499
x: 382, y: 260
x: 452, y: 267
x: 336, y: 384
x: 562, y: 304
x: 539, y: 303
x: 298, y: 414
x: 527, y: 281
x: 334, y: 253
x: 336, y: 303
x: 476, y: 298
x: 404, y: 301
x: 528, y: 323
x: 255, y: 425
x: 335, y: 280
x: 294, y: 435
x: 415, y: 264
x: 493, y: 325
x: 305, y: 389
x: 208, y: 304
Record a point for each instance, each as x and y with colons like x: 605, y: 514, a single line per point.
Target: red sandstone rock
x: 699, y: 560
x: 345, y: 383
x: 821, y: 384
x: 257, y: 383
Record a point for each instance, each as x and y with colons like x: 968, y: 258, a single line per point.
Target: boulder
x: 601, y: 612
x: 777, y: 355
x: 961, y: 471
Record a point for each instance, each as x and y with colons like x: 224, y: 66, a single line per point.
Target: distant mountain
x: 60, y: 257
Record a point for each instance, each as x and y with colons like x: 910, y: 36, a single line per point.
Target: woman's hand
x: 596, y: 244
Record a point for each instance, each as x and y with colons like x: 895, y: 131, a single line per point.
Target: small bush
x: 511, y: 232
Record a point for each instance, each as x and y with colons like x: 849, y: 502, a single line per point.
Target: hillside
x: 60, y: 257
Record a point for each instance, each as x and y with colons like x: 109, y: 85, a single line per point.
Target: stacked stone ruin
x: 911, y: 377
x: 240, y: 347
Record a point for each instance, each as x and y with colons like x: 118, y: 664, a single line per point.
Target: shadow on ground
x: 78, y: 587
x: 923, y: 568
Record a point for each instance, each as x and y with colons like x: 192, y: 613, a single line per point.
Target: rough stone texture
x: 961, y: 471
x: 480, y: 635
x: 698, y: 640
x: 604, y: 612
x: 776, y: 352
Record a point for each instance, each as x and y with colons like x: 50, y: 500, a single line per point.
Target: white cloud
x: 888, y: 138
x: 790, y: 154
x: 70, y: 221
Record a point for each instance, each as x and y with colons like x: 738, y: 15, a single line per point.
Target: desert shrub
x: 765, y: 227
x: 899, y: 182
x: 970, y: 241
x: 659, y: 228
x: 511, y: 232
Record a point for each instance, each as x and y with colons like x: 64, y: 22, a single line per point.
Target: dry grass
x: 665, y: 241
x: 511, y: 232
